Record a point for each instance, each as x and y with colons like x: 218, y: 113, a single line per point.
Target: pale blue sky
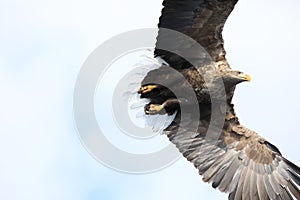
x: 42, y: 47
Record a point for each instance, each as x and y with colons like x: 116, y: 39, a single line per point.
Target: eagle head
x: 233, y: 77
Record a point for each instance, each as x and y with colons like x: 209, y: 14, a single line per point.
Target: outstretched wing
x: 201, y: 20
x: 236, y: 160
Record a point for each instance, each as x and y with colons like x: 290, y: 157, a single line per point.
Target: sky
x: 43, y: 45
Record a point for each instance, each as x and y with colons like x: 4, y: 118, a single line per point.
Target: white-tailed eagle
x: 233, y: 159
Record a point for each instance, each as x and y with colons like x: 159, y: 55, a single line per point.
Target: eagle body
x: 206, y: 130
x: 177, y: 82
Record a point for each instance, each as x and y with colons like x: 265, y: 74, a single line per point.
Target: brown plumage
x: 206, y: 130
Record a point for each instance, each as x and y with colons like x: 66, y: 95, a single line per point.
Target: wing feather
x: 262, y: 193
x: 239, y: 188
x: 221, y: 173
x: 234, y: 168
x: 246, y: 188
x: 228, y: 179
x: 286, y: 194
x: 294, y: 190
x: 269, y: 189
x: 201, y: 20
x: 221, y: 162
x: 253, y: 186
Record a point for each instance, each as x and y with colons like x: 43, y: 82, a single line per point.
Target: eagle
x: 196, y: 86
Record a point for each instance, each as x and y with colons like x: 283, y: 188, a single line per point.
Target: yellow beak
x: 246, y: 77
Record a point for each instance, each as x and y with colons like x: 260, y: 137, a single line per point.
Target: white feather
x: 136, y: 104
